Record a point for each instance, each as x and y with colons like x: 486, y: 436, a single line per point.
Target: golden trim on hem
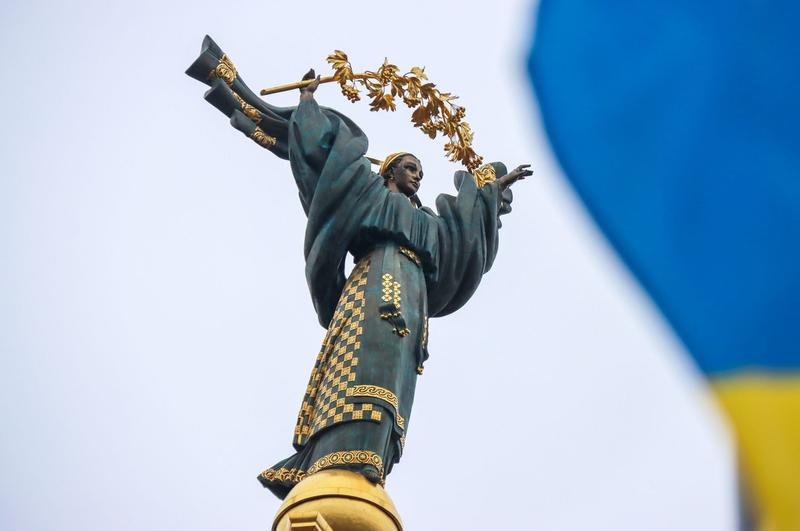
x: 374, y: 391
x: 347, y: 457
x: 292, y: 475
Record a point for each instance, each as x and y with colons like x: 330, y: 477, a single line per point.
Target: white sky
x: 156, y: 332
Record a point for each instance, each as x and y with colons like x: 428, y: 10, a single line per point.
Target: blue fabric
x: 678, y: 123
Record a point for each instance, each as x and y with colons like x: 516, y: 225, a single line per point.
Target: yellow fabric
x: 765, y: 413
x: 388, y: 160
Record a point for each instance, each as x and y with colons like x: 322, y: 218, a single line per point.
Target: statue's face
x: 407, y: 175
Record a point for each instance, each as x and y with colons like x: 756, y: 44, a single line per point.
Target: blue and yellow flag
x: 678, y: 123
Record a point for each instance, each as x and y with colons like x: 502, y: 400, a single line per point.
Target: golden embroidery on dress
x: 391, y: 295
x: 374, y: 391
x: 363, y: 457
x: 334, y: 371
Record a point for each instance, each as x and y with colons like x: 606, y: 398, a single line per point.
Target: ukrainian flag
x: 678, y: 123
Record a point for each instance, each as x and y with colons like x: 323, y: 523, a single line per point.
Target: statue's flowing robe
x: 410, y: 264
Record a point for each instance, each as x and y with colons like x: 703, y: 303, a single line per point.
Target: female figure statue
x: 411, y: 263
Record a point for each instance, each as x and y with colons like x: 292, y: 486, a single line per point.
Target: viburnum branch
x: 434, y: 111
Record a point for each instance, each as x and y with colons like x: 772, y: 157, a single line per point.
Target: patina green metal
x: 411, y: 264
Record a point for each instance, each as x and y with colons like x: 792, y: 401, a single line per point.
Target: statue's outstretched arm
x: 517, y: 174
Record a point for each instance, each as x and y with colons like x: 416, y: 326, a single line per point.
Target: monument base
x: 337, y: 500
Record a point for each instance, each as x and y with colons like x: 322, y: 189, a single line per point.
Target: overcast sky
x: 156, y: 332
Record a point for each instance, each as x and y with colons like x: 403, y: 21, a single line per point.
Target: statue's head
x: 402, y: 172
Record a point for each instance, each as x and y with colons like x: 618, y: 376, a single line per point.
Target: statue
x: 411, y: 263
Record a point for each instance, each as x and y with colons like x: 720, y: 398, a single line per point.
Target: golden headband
x: 389, y: 159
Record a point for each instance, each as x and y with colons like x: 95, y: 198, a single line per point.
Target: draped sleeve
x: 338, y: 192
x: 467, y: 228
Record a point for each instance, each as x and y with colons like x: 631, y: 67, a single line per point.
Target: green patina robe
x: 411, y: 264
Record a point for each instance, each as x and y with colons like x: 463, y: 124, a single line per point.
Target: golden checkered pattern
x: 334, y: 371
x: 390, y: 290
x: 387, y: 288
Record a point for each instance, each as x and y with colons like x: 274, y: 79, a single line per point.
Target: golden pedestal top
x: 337, y: 500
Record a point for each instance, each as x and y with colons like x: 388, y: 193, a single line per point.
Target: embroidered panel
x: 390, y: 310
x: 390, y: 291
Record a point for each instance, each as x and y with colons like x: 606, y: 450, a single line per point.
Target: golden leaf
x: 384, y: 102
x: 374, y: 88
x: 453, y: 151
x: 341, y: 66
x: 484, y: 175
x: 428, y: 89
x: 398, y: 86
x: 411, y: 101
x: 448, y: 128
x: 418, y: 72
x: 413, y: 84
x: 338, y: 55
x: 465, y: 132
x: 420, y: 116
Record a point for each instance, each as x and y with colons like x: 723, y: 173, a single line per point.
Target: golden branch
x: 434, y: 113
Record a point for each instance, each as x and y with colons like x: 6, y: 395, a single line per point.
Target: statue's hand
x: 307, y: 92
x: 517, y: 174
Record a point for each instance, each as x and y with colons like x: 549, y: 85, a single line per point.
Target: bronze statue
x: 411, y: 263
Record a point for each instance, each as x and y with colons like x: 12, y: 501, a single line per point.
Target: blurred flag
x: 678, y: 123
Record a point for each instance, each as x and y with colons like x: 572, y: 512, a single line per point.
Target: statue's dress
x: 410, y: 264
